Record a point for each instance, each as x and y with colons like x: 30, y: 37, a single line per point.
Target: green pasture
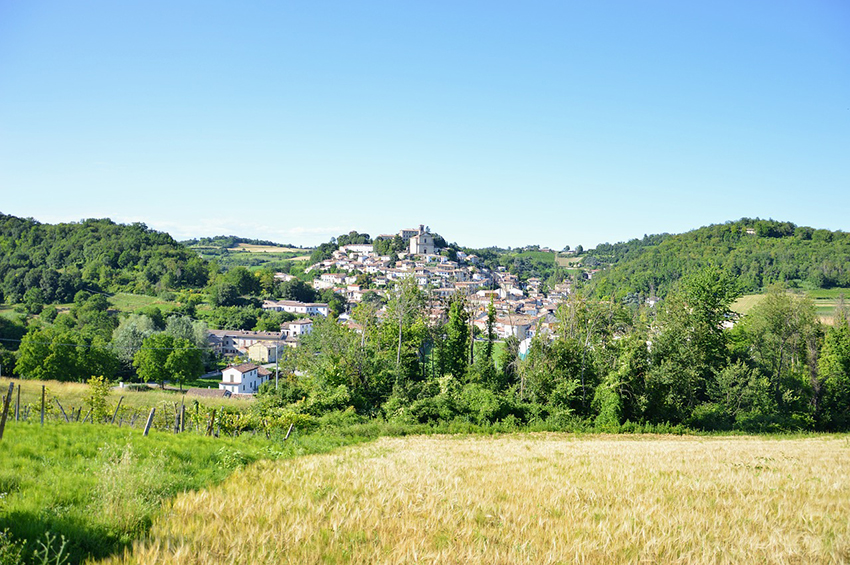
x: 125, y: 302
x: 95, y: 488
x: 568, y: 261
x: 825, y: 300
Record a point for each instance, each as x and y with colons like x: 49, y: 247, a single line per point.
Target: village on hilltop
x: 522, y: 308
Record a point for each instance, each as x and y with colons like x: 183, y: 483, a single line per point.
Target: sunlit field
x: 547, y: 498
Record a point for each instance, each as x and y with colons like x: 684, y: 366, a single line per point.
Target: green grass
x: 124, y: 302
x: 825, y: 300
x: 568, y: 261
x: 101, y: 486
x: 133, y: 402
x: 543, y: 256
x: 829, y: 293
x: 9, y: 313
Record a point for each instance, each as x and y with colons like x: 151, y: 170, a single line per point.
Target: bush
x: 711, y: 416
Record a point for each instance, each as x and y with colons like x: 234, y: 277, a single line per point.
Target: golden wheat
x: 543, y: 498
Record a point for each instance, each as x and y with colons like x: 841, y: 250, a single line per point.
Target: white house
x: 243, y: 379
x: 297, y: 328
x: 295, y: 307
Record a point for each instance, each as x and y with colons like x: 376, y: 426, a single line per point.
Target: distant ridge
x: 758, y: 252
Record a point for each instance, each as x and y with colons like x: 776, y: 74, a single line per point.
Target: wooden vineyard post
x: 18, y: 404
x: 150, y: 421
x: 182, y: 418
x: 6, y: 402
x: 116, y: 410
x: 62, y: 409
x: 42, y: 405
x: 212, y: 421
x: 289, y: 431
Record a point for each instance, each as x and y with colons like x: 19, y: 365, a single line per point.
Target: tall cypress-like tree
x: 457, y: 337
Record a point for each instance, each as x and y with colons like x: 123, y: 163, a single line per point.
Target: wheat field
x: 538, y: 498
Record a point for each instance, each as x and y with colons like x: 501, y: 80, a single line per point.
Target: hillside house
x: 295, y: 307
x: 297, y: 328
x: 243, y: 379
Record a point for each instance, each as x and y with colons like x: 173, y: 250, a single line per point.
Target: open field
x: 251, y: 248
x: 544, y: 256
x: 568, y: 261
x: 101, y: 486
x: 72, y: 396
x: 8, y: 312
x: 540, y: 498
x: 825, y: 299
x: 125, y: 302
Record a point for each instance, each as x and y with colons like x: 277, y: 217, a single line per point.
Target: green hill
x: 758, y: 252
x: 51, y: 263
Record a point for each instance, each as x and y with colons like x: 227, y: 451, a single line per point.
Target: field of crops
x: 538, y: 498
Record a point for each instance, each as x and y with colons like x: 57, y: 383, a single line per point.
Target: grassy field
x: 100, y: 487
x: 568, y: 261
x: 251, y: 248
x: 544, y: 256
x: 541, y: 498
x: 825, y: 300
x: 133, y: 402
x: 124, y: 302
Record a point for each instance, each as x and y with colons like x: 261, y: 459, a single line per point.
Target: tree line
x: 690, y: 361
x: 757, y: 252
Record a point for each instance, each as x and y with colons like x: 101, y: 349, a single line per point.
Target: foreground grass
x: 540, y: 498
x: 101, y: 487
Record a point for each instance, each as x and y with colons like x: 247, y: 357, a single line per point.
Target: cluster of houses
x: 522, y: 308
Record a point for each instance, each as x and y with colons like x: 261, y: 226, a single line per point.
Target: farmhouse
x: 243, y: 379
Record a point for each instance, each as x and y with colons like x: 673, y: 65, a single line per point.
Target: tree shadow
x: 81, y: 541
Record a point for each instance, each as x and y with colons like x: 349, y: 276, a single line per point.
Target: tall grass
x: 100, y: 487
x: 72, y: 396
x: 540, y: 498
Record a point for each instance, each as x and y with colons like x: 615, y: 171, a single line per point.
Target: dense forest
x: 44, y: 263
x: 756, y: 252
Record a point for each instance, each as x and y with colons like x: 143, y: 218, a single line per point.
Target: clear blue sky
x: 508, y: 123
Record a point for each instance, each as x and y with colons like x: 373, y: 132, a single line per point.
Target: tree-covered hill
x: 231, y: 241
x: 50, y: 263
x: 757, y: 252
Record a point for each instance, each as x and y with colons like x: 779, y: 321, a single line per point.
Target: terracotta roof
x: 243, y: 367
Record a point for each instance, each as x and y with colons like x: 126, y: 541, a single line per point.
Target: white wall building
x: 295, y: 307
x: 242, y: 379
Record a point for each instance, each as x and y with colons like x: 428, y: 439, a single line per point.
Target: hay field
x: 542, y: 498
x: 568, y: 261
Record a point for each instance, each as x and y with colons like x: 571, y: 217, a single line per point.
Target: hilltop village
x: 359, y: 273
